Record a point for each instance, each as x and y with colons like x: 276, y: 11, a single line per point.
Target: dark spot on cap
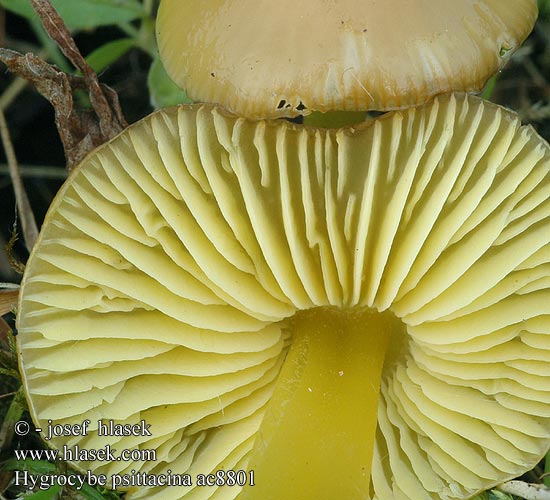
x: 301, y: 106
x: 281, y: 104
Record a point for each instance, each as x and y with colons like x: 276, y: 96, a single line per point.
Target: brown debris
x: 111, y: 122
x: 81, y: 130
x: 8, y: 303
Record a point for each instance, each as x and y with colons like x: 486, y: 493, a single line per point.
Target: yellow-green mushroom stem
x: 319, y: 428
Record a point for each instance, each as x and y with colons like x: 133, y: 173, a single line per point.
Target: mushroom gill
x: 373, y: 302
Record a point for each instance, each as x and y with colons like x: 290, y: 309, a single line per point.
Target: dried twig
x: 7, y: 341
x: 8, y: 301
x: 111, y: 121
x: 9, y: 286
x: 30, y: 230
x: 81, y: 130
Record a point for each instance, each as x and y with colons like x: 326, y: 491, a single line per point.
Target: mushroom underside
x: 227, y: 281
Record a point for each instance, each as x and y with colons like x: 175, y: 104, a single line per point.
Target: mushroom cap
x: 172, y: 260
x: 266, y: 59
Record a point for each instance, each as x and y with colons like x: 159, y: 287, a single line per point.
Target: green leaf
x: 9, y: 372
x: 21, y: 7
x: 489, y: 87
x: 499, y: 495
x: 90, y: 493
x: 546, y: 475
x: 49, y: 494
x: 14, y: 413
x: 42, y: 467
x: 481, y: 496
x: 163, y: 91
x: 33, y: 466
x: 83, y: 14
x: 107, y: 54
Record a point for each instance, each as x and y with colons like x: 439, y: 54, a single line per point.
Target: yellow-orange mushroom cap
x: 373, y: 302
x: 265, y: 59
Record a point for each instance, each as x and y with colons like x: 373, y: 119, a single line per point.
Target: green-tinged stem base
x: 317, y: 437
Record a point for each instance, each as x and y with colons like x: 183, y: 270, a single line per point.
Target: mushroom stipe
x: 353, y: 313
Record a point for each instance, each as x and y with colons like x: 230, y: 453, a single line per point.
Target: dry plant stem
x: 15, y: 87
x: 81, y: 130
x: 110, y: 123
x: 30, y: 230
x: 5, y: 332
x: 11, y: 286
x: 8, y: 301
x: 78, y: 129
x: 526, y: 490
